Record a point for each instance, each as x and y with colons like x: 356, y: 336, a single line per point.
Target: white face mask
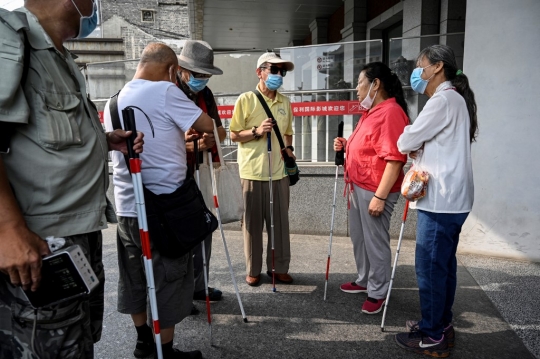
x: 368, y: 101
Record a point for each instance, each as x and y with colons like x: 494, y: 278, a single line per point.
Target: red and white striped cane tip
x: 157, y: 329
x: 135, y: 165
x: 145, y: 243
x: 208, y: 313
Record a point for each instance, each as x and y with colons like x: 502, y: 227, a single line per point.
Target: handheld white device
x: 65, y: 274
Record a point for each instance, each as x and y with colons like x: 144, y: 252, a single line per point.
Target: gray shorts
x: 173, y: 278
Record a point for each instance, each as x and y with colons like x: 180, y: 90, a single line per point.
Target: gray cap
x: 198, y: 56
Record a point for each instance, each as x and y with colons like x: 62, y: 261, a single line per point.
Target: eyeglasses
x: 200, y: 76
x: 274, y: 70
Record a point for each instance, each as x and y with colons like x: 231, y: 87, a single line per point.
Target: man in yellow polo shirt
x: 249, y: 127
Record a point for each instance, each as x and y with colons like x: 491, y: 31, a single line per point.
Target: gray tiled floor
x: 495, y: 311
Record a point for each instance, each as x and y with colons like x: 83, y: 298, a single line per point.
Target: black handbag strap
x: 115, y: 119
x: 270, y: 115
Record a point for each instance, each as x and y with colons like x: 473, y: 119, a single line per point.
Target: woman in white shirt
x: 444, y: 129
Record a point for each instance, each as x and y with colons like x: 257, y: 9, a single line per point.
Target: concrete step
x: 96, y: 49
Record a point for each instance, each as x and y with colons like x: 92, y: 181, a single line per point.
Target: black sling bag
x: 290, y: 164
x: 177, y: 221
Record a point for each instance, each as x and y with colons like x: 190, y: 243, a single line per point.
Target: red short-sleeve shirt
x: 373, y: 143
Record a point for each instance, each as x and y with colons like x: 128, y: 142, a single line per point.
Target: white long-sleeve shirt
x: 443, y: 128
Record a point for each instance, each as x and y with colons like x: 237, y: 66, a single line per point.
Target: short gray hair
x: 443, y: 53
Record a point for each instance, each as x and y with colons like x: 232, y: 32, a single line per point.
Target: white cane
x: 269, y: 139
x: 135, y: 167
x: 331, y: 234
x: 218, y: 215
x: 405, y: 210
x: 203, y: 249
x: 339, y: 161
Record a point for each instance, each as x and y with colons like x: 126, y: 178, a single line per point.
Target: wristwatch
x: 290, y: 148
x: 254, y: 132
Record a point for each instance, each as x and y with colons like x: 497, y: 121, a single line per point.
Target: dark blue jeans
x: 437, y: 237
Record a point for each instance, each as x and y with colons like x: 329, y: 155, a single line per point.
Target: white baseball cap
x: 273, y: 58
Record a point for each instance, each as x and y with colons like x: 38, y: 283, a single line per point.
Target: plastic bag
x: 414, y: 185
x: 229, y: 189
x: 228, y: 185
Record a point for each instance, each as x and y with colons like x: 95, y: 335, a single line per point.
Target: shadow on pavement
x: 295, y: 322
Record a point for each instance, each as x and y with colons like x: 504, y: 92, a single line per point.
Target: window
x: 392, y: 31
x: 147, y: 15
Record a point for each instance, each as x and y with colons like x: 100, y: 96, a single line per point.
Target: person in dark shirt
x: 196, y: 66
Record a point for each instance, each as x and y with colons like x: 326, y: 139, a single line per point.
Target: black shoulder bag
x: 290, y: 164
x: 177, y: 221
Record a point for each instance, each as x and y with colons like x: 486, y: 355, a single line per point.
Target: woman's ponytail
x: 390, y: 81
x: 396, y: 90
x: 461, y: 83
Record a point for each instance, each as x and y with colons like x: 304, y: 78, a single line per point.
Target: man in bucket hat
x: 195, y: 67
x: 249, y: 127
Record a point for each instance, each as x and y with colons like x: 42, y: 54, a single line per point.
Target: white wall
x: 502, y: 54
x: 239, y: 74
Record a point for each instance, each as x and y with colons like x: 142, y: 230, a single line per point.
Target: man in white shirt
x: 163, y: 170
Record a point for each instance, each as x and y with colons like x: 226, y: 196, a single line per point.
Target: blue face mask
x: 87, y: 23
x: 273, y: 82
x: 196, y: 85
x: 418, y: 84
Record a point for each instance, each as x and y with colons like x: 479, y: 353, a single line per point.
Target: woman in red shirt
x: 373, y: 173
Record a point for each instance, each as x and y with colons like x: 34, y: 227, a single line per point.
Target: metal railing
x: 333, y: 80
x: 313, y: 134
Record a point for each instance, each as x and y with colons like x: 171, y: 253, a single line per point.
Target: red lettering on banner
x: 320, y: 108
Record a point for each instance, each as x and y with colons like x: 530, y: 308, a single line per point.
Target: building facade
x: 497, y: 49
x: 139, y: 22
x: 494, y: 41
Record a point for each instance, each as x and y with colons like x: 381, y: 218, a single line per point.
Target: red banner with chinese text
x: 321, y: 108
